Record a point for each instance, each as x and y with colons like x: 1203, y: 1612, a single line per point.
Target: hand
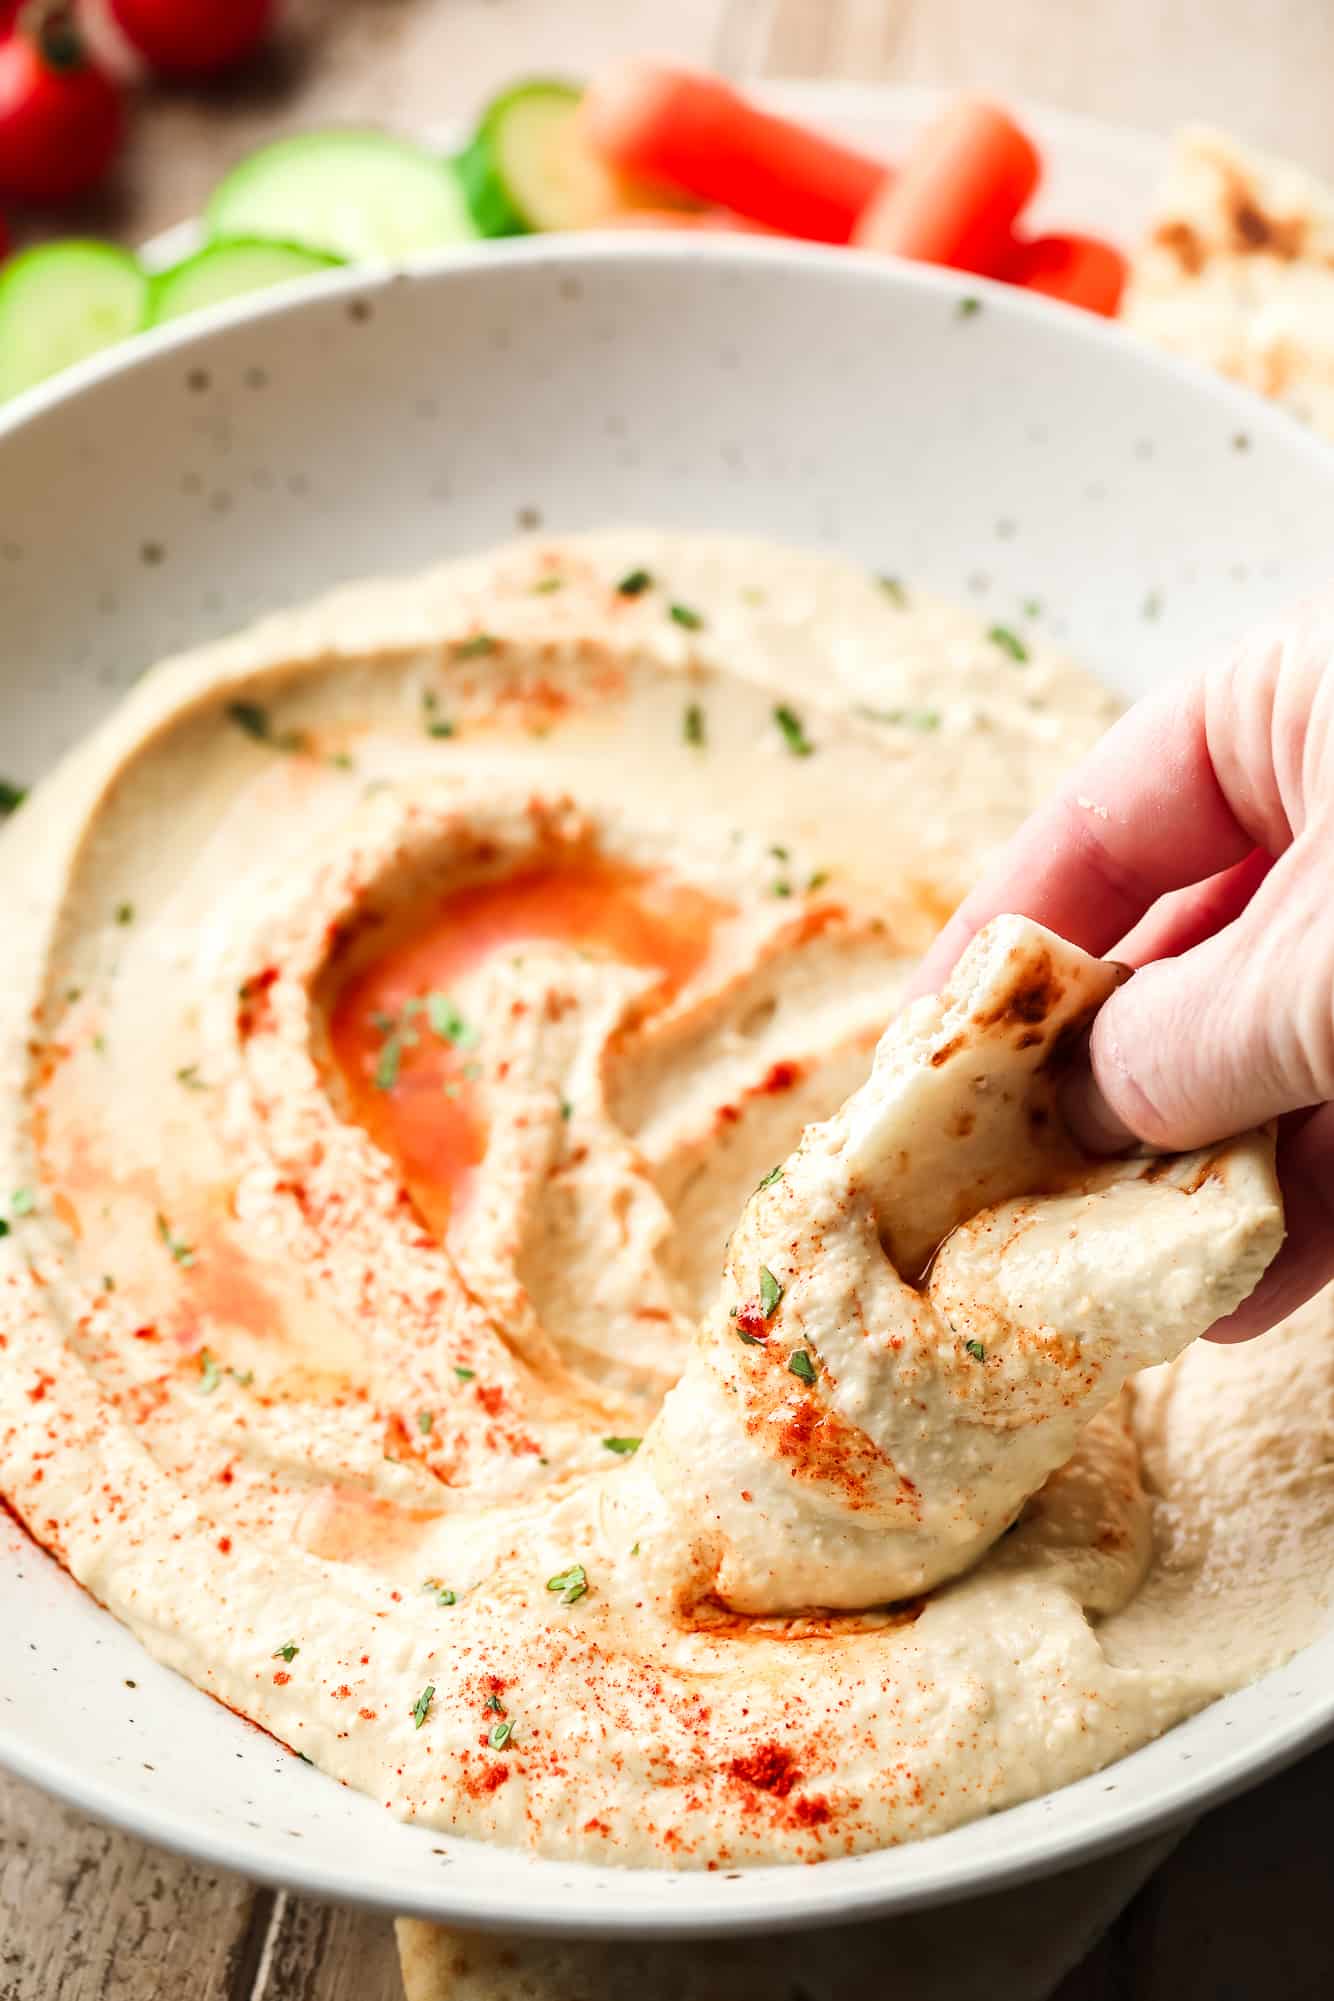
x: 1196, y: 844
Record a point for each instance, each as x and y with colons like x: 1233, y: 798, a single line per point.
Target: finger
x: 1306, y: 1261
x: 1179, y: 922
x: 1142, y: 815
x: 1236, y: 1030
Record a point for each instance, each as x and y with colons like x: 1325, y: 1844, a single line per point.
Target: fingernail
x: 1090, y: 1117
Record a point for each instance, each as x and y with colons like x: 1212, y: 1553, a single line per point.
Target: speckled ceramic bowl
x: 1002, y: 450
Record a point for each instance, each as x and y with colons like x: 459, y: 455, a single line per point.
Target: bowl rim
x: 812, y: 1896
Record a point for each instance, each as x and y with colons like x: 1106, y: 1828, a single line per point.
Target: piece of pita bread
x: 1238, y: 272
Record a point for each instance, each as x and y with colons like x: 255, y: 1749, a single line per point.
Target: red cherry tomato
x: 192, y: 37
x: 60, y: 117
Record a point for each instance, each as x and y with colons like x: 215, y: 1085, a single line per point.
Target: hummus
x: 405, y: 1000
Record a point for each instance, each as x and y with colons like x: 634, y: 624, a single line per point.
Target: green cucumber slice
x: 528, y: 168
x: 357, y: 195
x: 64, y: 301
x: 225, y: 270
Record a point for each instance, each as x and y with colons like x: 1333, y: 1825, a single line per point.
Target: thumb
x: 1235, y: 1031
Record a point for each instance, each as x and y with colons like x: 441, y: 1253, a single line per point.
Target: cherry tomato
x: 192, y: 37
x: 60, y: 116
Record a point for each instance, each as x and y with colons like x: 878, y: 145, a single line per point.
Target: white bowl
x: 372, y: 422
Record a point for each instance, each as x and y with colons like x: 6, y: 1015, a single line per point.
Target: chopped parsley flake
x: 1152, y: 606
x: 425, y: 1420
x: 494, y: 1704
x: 780, y: 854
x: 793, y: 732
x: 780, y: 889
x: 210, y: 1375
x: 12, y: 797
x: 386, y: 1064
x: 500, y: 1736
x: 904, y: 719
x: 634, y: 1549
x: 800, y: 1364
x: 108, y: 1278
x: 188, y: 1074
x: 566, y: 1109
x: 976, y: 1350
x: 287, y: 1652
x: 440, y: 1592
x: 183, y: 1253
x: 343, y: 760
x: 464, y: 1375
x: 256, y: 722
x: 421, y: 1708
x: 774, y: 1174
x: 124, y: 913
x: 439, y: 726
x: 770, y: 1292
x: 546, y: 585
x: 571, y: 1583
x: 245, y: 1377
x: 448, y: 1023
x: 471, y: 1072
x: 1008, y: 642
x: 625, y: 1446
x: 693, y: 728
x: 22, y: 1202
x: 4, y: 1227
x: 818, y: 880
x: 634, y: 583
x: 686, y: 615
x: 1031, y: 607
x: 475, y: 646
x: 968, y: 308
x: 893, y: 590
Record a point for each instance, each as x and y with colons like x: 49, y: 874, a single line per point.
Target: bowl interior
x: 998, y: 450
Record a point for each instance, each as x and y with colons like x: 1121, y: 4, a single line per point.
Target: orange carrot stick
x: 1082, y: 270
x: 957, y: 195
x: 694, y: 132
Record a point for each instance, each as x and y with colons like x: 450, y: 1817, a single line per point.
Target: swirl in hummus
x: 407, y: 997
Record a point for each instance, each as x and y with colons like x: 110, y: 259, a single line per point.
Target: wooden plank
x: 1264, y: 73
x: 325, y: 1952
x: 94, y: 1915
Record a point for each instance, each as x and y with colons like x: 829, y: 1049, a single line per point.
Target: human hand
x: 1195, y: 843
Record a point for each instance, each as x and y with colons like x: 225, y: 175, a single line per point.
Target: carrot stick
x: 1081, y: 270
x: 692, y: 131
x: 957, y: 195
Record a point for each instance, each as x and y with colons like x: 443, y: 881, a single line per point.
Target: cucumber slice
x: 528, y: 167
x: 61, y: 302
x: 351, y: 194
x: 225, y: 270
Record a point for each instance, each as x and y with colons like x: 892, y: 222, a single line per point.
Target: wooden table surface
x: 1243, y: 1911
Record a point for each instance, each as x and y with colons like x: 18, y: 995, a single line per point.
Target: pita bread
x: 966, y: 1287
x: 1238, y: 272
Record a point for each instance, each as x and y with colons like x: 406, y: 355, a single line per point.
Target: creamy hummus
x: 406, y: 998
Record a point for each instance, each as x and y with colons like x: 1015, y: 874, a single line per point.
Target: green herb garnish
x: 545, y: 585
x: 976, y: 1350
x: 800, y: 1364
x: 188, y: 1074
x: 183, y: 1253
x: 1008, y: 642
x: 774, y: 1174
x: 968, y: 308
x: 22, y: 1202
x: 124, y: 913
x: 387, y: 1062
x: 770, y: 1292
x: 634, y: 583
x: 625, y: 1446
x: 818, y: 880
x: 210, y: 1375
x: 571, y: 1583
x: 421, y: 1708
x: 287, y: 1652
x: 500, y: 1736
x: 686, y: 615
x: 12, y: 797
x: 439, y: 726
x: 693, y: 726
x: 894, y: 590
x: 440, y: 1592
x: 793, y: 732
x: 494, y: 1704
x: 256, y: 723
x: 425, y: 1420
x: 464, y: 1375
x: 448, y: 1023
x: 475, y: 646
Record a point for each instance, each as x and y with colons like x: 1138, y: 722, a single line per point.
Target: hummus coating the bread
x: 406, y: 999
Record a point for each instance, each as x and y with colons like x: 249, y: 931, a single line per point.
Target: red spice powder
x: 770, y: 1767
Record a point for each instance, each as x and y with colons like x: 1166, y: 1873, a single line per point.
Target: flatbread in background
x: 1015, y: 1945
x: 1238, y: 272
